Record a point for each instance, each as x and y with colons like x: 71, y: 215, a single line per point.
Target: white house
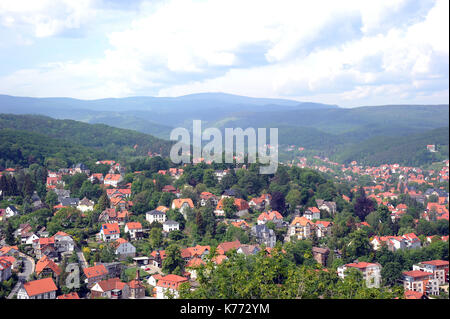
x: 155, y: 216
x: 110, y: 232
x: 38, y: 289
x: 64, y: 242
x: 169, y: 285
x: 170, y: 225
x: 371, y: 272
x: 85, y: 205
x: 312, y: 213
x: 124, y: 249
x: 11, y: 211
x: 134, y: 229
x: 30, y: 240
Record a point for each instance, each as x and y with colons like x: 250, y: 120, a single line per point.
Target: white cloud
x: 345, y: 52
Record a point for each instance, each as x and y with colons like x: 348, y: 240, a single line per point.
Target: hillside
x: 114, y: 141
x: 406, y: 150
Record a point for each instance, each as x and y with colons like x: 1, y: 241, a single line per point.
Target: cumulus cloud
x: 346, y: 52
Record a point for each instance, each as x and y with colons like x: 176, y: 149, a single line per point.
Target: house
x: 330, y: 207
x: 410, y: 294
x: 229, y: 193
x: 70, y: 295
x: 153, y: 279
x: 112, y: 179
x: 169, y: 285
x: 124, y: 249
x: 45, y: 246
x: 320, y: 255
x: 69, y: 202
x: 169, y: 189
x: 420, y: 281
x: 241, y: 207
x: 46, y: 267
x: 155, y: 216
x: 227, y: 246
x: 111, y: 215
x: 9, y: 251
x: 371, y: 272
x: 240, y: 223
x: 109, y: 232
x: 248, y: 250
x: 95, y: 274
x: 312, y: 213
x: 257, y: 203
x: 63, y: 242
x: 11, y: 211
x: 170, y: 225
x: 5, y: 268
x: 193, y: 265
x: 264, y: 235
x: 206, y: 197
x: 81, y: 168
x: 137, y: 289
x: 271, y: 216
x: 323, y: 228
x: 96, y: 177
x: 182, y: 204
x: 111, y: 288
x: 85, y: 205
x: 38, y: 289
x: 439, y: 268
x: 407, y: 241
x: 301, y: 228
x: 134, y: 229
x: 197, y: 251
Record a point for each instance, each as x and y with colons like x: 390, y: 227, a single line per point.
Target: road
x: 28, y: 269
x: 83, y: 261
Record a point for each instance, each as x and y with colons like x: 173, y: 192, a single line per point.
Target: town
x: 149, y: 229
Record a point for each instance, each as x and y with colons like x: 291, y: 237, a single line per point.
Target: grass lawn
x: 131, y: 273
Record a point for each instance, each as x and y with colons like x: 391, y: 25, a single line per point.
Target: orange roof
x: 411, y: 294
x: 134, y: 225
x: 112, y: 177
x: 270, y: 215
x: 195, y: 262
x: 219, y: 259
x: 178, y: 202
x: 226, y: 246
x: 417, y: 273
x: 70, y: 295
x: 46, y: 262
x: 360, y: 265
x: 436, y: 262
x: 162, y: 209
x: 95, y: 271
x: 303, y: 221
x: 314, y: 209
x: 171, y: 281
x: 37, y: 287
x: 111, y: 228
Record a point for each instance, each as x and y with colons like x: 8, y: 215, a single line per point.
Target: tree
x: 363, y: 206
x: 51, y: 199
x: 358, y: 245
x: 293, y: 198
x: 228, y: 207
x: 155, y: 237
x: 173, y: 263
x: 391, y: 273
x: 278, y: 202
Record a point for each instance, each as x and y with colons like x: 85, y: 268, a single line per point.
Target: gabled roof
x: 70, y: 295
x: 110, y: 284
x: 226, y: 246
x: 178, y: 202
x: 302, y: 221
x: 37, y: 287
x: 45, y: 263
x: 111, y: 228
x: 98, y: 270
x: 134, y: 225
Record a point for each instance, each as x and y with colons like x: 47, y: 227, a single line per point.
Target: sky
x: 348, y: 52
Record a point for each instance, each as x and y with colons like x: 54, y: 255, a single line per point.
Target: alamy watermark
x: 257, y: 147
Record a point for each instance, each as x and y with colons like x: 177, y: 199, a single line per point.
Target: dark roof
x: 68, y: 201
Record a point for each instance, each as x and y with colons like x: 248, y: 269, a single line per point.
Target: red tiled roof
x: 46, y: 262
x: 70, y: 295
x: 417, y: 273
x: 37, y: 287
x: 95, y: 271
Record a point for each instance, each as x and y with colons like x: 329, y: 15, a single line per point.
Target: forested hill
x: 67, y: 134
x: 406, y: 150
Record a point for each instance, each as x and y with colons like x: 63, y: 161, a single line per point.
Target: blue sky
x: 349, y: 53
